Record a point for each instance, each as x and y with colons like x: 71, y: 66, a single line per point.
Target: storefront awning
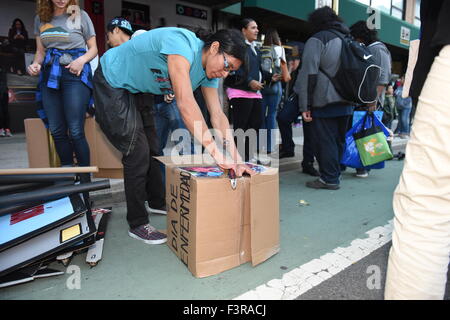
x: 215, y: 4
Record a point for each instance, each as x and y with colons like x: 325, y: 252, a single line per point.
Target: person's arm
x: 76, y: 66
x: 285, y: 74
x: 220, y: 122
x: 307, y: 76
x: 190, y: 111
x: 35, y: 67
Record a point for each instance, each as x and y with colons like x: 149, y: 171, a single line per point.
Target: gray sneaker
x: 319, y: 184
x: 148, y: 234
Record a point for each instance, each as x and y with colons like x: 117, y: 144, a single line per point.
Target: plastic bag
x: 351, y: 157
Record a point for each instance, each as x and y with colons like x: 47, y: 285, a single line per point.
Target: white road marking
x: 299, y: 280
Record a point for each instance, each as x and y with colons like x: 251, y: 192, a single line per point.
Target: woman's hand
x: 225, y: 163
x: 243, y: 168
x: 276, y: 77
x: 307, y: 116
x: 256, y: 85
x: 76, y: 66
x: 34, y: 69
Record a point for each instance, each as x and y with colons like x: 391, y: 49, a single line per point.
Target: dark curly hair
x: 360, y: 31
x: 323, y: 19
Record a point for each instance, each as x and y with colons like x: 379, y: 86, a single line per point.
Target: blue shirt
x: 140, y: 64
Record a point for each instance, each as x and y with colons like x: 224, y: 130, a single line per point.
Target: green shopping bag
x: 372, y: 144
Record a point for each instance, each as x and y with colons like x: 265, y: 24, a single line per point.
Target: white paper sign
x: 405, y: 34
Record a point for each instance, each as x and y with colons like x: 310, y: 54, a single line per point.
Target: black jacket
x: 3, y: 80
x: 117, y: 113
x: 249, y: 71
x: 435, y: 26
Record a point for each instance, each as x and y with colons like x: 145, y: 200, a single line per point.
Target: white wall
x: 11, y: 9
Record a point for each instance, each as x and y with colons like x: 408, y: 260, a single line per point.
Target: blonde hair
x: 45, y: 9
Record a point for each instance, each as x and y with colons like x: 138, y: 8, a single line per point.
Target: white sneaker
x: 8, y: 133
x: 2, y: 132
x: 362, y: 174
x: 162, y: 210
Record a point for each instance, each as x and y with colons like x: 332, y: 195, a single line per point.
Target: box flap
x: 264, y: 215
x: 187, y: 160
x: 37, y: 143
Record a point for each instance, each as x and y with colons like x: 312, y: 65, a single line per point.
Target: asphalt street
x: 364, y: 280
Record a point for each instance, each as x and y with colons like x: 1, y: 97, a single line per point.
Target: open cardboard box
x: 213, y: 228
x: 103, y: 154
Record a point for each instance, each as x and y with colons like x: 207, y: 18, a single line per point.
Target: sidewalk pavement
x: 131, y: 269
x: 14, y: 155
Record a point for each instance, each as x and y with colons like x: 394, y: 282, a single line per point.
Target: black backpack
x: 357, y: 77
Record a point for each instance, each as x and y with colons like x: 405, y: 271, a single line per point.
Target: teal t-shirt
x: 140, y: 64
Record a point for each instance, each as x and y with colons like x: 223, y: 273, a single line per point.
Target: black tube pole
x: 20, y: 187
x: 33, y: 178
x: 18, y: 207
x: 52, y: 191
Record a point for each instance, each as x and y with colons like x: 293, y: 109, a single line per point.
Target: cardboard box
x: 213, y: 228
x: 103, y: 154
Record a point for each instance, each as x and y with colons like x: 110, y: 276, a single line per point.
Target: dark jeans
x: 404, y: 121
x: 167, y: 120
x: 308, y: 144
x: 285, y: 118
x: 66, y: 112
x: 270, y: 103
x: 18, y: 61
x: 246, y: 115
x: 329, y: 134
x: 142, y: 174
x: 4, y: 112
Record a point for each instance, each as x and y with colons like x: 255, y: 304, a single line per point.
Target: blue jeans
x: 269, y: 112
x: 66, y: 112
x: 168, y: 119
x: 285, y: 118
x: 404, y: 121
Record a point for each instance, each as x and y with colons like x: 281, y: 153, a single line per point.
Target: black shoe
x: 311, y: 171
x: 286, y: 154
x: 318, y: 184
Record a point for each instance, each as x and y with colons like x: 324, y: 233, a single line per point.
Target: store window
x: 395, y: 8
x: 417, y: 13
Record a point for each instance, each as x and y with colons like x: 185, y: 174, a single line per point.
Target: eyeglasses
x: 226, y: 65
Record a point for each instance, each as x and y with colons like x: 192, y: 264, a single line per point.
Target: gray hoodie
x: 382, y: 58
x: 322, y: 50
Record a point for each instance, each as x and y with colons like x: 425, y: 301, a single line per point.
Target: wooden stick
x: 48, y: 170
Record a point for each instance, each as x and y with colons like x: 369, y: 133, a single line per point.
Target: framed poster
x: 137, y: 14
